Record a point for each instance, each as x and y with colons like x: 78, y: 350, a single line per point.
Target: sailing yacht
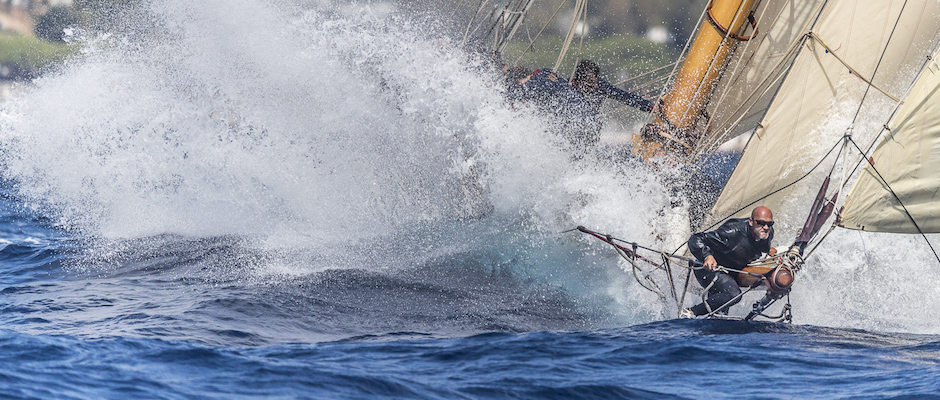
x: 833, y: 96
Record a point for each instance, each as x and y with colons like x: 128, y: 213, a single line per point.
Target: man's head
x: 761, y: 222
x: 585, y: 77
x: 515, y: 75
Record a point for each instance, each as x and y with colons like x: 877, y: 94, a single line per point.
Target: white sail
x: 908, y: 159
x: 823, y: 90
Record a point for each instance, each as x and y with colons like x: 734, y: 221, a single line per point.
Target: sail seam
x: 877, y: 66
x: 853, y: 70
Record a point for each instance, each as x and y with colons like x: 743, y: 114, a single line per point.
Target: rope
x: 515, y: 24
x: 831, y: 228
x: 705, y: 296
x: 885, y: 127
x: 688, y: 278
x: 712, y: 140
x: 672, y: 284
x: 727, y: 31
x: 738, y: 297
x: 649, y: 284
x: 654, y: 287
x: 645, y: 74
x: 581, y: 42
x: 697, y: 264
x: 466, y: 33
x: 675, y: 66
x: 769, y: 194
x: 532, y: 42
x: 579, y: 6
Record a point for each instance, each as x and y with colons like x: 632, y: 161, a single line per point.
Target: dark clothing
x: 606, y: 90
x: 722, y: 292
x: 550, y: 92
x: 576, y: 114
x: 733, y: 246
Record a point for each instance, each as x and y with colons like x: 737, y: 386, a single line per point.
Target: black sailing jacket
x: 731, y: 244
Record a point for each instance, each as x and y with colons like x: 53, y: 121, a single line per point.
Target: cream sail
x: 851, y: 44
x: 906, y: 163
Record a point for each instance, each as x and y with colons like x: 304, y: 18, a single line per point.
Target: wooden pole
x: 682, y: 107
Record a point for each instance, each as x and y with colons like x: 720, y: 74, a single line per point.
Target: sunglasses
x: 766, y: 223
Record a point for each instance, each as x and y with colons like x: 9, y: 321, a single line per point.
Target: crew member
x: 577, y: 103
x: 733, y: 245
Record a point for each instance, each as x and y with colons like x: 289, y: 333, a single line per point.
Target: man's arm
x: 703, y: 245
x: 701, y: 250
x: 623, y: 96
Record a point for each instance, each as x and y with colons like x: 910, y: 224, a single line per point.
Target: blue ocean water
x: 279, y: 201
x: 155, y: 326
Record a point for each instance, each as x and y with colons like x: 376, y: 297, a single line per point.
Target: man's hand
x: 710, y: 263
x: 772, y: 252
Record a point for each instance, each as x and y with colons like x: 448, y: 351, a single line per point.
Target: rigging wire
x: 791, y: 51
x: 519, y: 20
x: 713, y: 141
x: 675, y: 67
x: 855, y: 72
x: 771, y: 193
x: 581, y: 42
x: 470, y: 25
x: 898, y: 199
x: 782, y: 188
x: 737, y: 67
x: 532, y: 42
x: 580, y: 8
x: 618, y: 83
x: 885, y: 127
x: 713, y: 144
x: 877, y: 66
x: 863, y: 153
x: 847, y: 137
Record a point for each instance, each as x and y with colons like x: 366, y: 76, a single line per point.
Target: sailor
x: 587, y: 82
x: 577, y: 103
x: 733, y: 245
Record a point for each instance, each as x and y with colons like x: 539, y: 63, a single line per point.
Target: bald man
x: 734, y: 244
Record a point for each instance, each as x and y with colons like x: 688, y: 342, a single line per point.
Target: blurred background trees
x: 626, y: 37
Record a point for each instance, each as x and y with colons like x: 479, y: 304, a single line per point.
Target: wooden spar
x: 681, y: 108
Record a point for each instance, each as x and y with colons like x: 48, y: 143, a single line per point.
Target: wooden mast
x: 682, y: 107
